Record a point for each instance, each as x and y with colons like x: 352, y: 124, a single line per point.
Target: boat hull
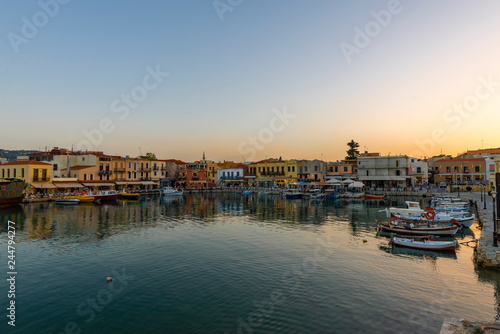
x: 293, y: 196
x: 437, y: 230
x: 11, y: 192
x: 374, y: 198
x: 425, y: 245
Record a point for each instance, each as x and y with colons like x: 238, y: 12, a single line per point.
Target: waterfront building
x: 36, y: 174
x: 59, y: 158
x: 194, y: 175
x: 462, y: 170
x: 342, y: 170
x: 170, y: 172
x: 273, y: 172
x: 384, y: 171
x: 231, y: 176
x: 480, y: 153
x: 419, y: 170
x: 311, y: 170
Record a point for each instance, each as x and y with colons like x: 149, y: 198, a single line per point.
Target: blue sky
x: 227, y: 76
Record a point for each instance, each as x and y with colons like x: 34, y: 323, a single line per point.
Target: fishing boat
x: 67, y: 200
x: 394, y: 225
x: 263, y: 193
x: 11, y: 191
x: 294, y: 195
x: 103, y: 195
x: 169, y: 191
x: 428, y: 243
x: 375, y: 197
x: 132, y: 196
x: 246, y: 192
x: 80, y: 198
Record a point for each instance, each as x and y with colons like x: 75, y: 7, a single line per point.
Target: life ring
x: 430, y: 215
x: 423, y: 215
x: 3, y: 188
x: 430, y: 237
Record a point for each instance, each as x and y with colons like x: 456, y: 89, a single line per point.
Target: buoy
x: 109, y: 279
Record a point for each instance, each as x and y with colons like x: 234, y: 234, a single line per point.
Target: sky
x: 248, y: 80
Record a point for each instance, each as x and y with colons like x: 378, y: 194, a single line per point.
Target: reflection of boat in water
x: 11, y: 191
x: 409, y: 252
x: 294, y: 195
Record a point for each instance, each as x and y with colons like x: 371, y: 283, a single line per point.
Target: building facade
x: 462, y: 171
x: 384, y: 171
x: 36, y: 174
x: 273, y: 172
x: 419, y: 170
x: 311, y: 170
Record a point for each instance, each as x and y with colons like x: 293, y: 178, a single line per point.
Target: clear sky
x: 411, y: 77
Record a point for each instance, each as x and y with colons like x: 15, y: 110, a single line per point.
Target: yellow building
x: 273, y: 172
x: 36, y: 174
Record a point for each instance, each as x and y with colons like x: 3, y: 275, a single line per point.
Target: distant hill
x: 11, y: 155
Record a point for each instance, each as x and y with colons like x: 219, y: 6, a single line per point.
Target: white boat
x: 425, y: 244
x: 394, y: 225
x: 169, y: 191
x: 263, y: 193
x: 67, y: 201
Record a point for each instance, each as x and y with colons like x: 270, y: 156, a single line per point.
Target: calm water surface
x: 232, y: 264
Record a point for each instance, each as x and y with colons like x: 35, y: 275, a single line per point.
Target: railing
x: 41, y: 179
x: 145, y: 170
x: 232, y: 177
x: 145, y: 179
x: 102, y: 172
x: 119, y: 170
x: 156, y: 168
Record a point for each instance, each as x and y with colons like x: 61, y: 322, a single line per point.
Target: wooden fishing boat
x: 11, y: 191
x: 428, y: 243
x: 67, y: 200
x: 394, y: 225
x: 132, y: 196
x: 375, y: 197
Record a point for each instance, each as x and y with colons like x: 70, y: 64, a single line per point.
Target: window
x: 336, y: 169
x: 100, y: 177
x: 107, y: 177
x: 22, y: 172
x: 293, y: 168
x: 91, y: 176
x: 54, y: 167
x: 15, y: 171
x: 83, y: 158
x: 315, y: 168
x: 3, y: 173
x: 84, y: 177
x: 345, y: 169
x: 367, y: 173
x: 237, y: 173
x: 419, y: 170
x: 288, y: 169
x: 398, y: 172
x: 129, y: 175
x: 129, y: 165
x: 476, y: 169
x: 397, y: 163
x: 8, y: 173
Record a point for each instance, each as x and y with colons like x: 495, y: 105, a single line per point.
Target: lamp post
x: 494, y: 195
x: 482, y: 200
x: 484, y: 206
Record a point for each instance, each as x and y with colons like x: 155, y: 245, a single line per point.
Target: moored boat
x: 294, y: 195
x: 375, y: 197
x: 11, y: 191
x: 133, y: 196
x: 425, y: 243
x: 68, y: 200
x: 169, y: 191
x: 103, y: 195
x: 394, y: 225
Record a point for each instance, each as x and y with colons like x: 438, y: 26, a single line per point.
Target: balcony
x: 104, y: 172
x: 41, y: 179
x: 119, y: 170
x: 145, y: 170
x: 164, y: 169
x: 272, y: 173
x: 145, y: 179
x: 156, y: 168
x: 231, y: 177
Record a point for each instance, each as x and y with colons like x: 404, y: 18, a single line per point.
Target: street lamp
x: 494, y: 195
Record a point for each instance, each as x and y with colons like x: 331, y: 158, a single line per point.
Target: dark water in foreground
x: 231, y: 264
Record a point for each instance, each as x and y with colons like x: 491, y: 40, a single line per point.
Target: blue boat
x: 295, y: 195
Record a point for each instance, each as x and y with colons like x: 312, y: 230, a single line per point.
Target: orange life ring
x: 430, y: 215
x: 430, y: 237
x: 3, y: 188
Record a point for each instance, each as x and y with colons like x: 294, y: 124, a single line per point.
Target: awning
x: 98, y: 184
x: 68, y: 185
x: 43, y: 185
x: 382, y: 178
x: 148, y: 183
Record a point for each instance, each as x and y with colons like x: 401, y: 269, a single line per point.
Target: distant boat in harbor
x: 169, y: 191
x: 11, y: 191
x: 67, y: 201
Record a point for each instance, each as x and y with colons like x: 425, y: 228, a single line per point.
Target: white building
x: 234, y: 175
x: 384, y: 171
x: 419, y: 170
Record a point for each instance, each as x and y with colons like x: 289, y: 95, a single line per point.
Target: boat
x: 394, y: 225
x: 11, y: 191
x: 375, y: 197
x: 428, y: 243
x: 317, y: 196
x: 68, y: 200
x: 263, y: 193
x: 84, y: 199
x: 294, y: 195
x: 129, y: 196
x: 169, y: 191
x: 103, y: 195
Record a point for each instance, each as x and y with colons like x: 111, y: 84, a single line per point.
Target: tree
x: 151, y: 156
x: 352, y: 152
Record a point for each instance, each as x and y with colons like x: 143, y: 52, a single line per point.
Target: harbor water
x: 227, y: 263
